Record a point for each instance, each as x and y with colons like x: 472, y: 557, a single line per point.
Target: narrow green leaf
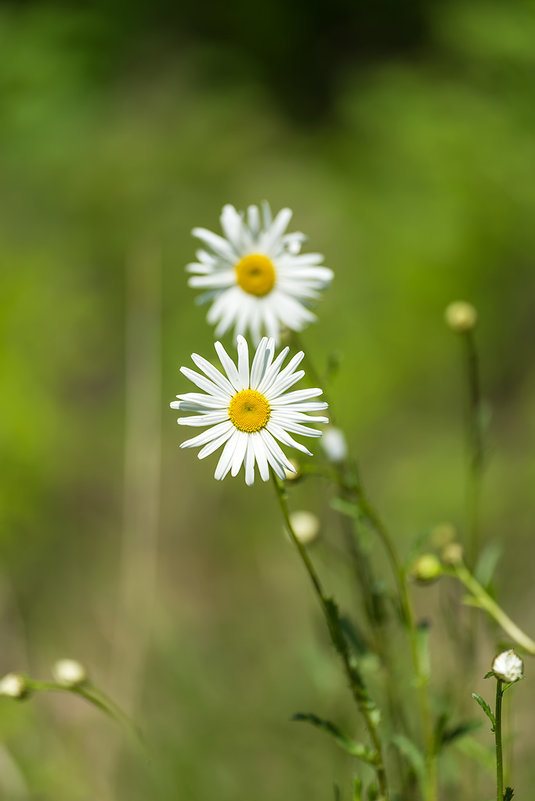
x: 509, y: 793
x: 337, y: 793
x: 486, y: 709
x: 358, y: 750
x: 414, y: 756
x: 357, y: 789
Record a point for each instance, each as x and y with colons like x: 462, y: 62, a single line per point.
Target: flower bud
x: 426, y: 568
x: 14, y: 685
x: 452, y: 554
x: 69, y: 672
x: 460, y: 316
x: 442, y: 534
x: 508, y: 666
x: 334, y: 445
x: 306, y: 526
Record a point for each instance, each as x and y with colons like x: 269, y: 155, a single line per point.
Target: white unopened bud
x: 306, y: 526
x: 14, y: 685
x: 460, y: 316
x: 508, y: 666
x: 69, y: 672
x: 334, y: 444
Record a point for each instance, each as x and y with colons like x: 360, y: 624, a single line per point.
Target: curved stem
x: 356, y: 682
x: 484, y: 601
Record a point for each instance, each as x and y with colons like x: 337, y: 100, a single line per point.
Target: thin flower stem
x: 498, y: 736
x: 355, y: 679
x: 484, y: 601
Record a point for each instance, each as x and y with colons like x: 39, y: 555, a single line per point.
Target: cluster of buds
x: 68, y: 673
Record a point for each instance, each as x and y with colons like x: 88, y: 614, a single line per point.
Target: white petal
x: 285, y: 438
x: 201, y: 382
x: 225, y: 460
x: 282, y: 384
x: 243, y: 362
x: 214, y: 374
x: 239, y: 452
x: 216, y: 243
x: 258, y: 366
x: 299, y: 395
x: 271, y: 237
x: 297, y: 428
x: 253, y: 220
x: 276, y: 453
x: 276, y: 376
x: 217, y: 280
x: 207, y: 436
x: 260, y: 455
x: 273, y: 369
x: 208, y: 419
x: 232, y: 225
x: 228, y: 366
x: 249, y: 462
x: 216, y: 443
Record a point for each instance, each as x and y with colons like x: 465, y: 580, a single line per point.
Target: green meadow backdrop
x: 403, y: 137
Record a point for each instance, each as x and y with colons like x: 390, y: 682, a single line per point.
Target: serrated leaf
x: 509, y: 793
x: 358, y: 750
x: 486, y: 709
x: 414, y: 756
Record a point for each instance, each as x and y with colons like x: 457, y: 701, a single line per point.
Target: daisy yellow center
x: 255, y: 274
x: 249, y: 410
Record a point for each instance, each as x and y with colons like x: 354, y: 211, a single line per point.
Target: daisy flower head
x: 248, y: 410
x: 255, y: 276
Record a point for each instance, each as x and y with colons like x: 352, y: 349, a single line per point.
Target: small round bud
x: 292, y: 476
x: 452, y: 554
x: 334, y: 445
x: 508, y: 666
x: 426, y: 568
x: 69, y: 672
x: 14, y: 685
x: 442, y: 534
x: 460, y: 316
x: 306, y: 526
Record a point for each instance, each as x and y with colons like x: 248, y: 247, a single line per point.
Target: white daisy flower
x: 249, y: 409
x: 255, y: 276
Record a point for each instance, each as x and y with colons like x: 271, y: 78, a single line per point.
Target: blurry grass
x: 422, y: 192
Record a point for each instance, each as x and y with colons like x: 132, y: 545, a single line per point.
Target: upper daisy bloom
x: 255, y: 275
x: 249, y: 409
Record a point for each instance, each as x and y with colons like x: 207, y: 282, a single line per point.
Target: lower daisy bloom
x: 249, y: 410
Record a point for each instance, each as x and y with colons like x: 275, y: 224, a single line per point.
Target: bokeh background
x: 403, y: 136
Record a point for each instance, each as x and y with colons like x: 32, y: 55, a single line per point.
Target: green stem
x: 498, y: 735
x: 484, y: 601
x: 356, y: 682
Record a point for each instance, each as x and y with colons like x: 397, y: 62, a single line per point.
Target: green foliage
x: 486, y: 709
x: 355, y: 749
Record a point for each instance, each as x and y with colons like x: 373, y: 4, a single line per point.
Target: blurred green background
x: 403, y: 136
